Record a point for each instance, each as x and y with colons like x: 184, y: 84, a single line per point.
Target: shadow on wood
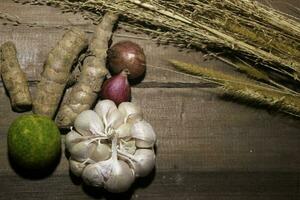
x: 102, y: 193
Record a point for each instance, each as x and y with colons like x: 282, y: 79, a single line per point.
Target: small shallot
x: 117, y: 88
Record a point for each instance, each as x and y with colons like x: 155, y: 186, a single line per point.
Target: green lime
x: 34, y: 142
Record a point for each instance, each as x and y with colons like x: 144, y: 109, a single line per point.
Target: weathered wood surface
x: 208, y: 148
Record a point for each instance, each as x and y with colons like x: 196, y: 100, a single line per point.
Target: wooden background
x: 208, y: 148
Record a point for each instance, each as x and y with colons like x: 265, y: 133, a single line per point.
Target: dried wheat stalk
x: 245, y: 89
x: 256, y: 33
x: 255, y: 39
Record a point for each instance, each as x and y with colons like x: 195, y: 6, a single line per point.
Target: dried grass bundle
x: 253, y: 38
x: 244, y: 28
x: 245, y: 90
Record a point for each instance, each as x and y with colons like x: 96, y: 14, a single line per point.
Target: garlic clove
x: 82, y: 150
x: 114, y: 118
x: 124, y: 131
x: 96, y: 174
x: 76, y: 167
x: 145, y: 162
x: 144, y: 134
x: 121, y: 178
x: 88, y: 123
x: 101, y: 152
x: 72, y: 138
x: 130, y: 110
x: 102, y: 108
x: 92, y: 175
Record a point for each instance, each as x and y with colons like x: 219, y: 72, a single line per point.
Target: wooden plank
x: 39, y: 15
x: 207, y: 148
x: 162, y: 185
x: 199, y: 132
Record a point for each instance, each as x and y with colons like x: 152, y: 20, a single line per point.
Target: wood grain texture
x: 207, y: 148
x: 197, y: 133
x: 166, y: 185
x: 203, y: 152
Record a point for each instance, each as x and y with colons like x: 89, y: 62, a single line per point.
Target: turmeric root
x: 56, y: 72
x: 85, y: 92
x: 14, y: 78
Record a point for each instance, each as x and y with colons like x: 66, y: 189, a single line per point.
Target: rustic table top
x: 208, y: 148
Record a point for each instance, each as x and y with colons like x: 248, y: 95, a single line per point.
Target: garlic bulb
x: 111, y: 145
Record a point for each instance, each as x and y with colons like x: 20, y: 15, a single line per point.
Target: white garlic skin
x: 76, y: 167
x: 129, y: 109
x: 102, y: 107
x: 114, y: 118
x: 144, y: 134
x: 92, y: 175
x: 121, y: 178
x: 145, y: 162
x: 88, y: 123
x: 101, y: 152
x: 106, y: 128
x: 72, y: 138
x: 82, y: 150
x: 124, y: 131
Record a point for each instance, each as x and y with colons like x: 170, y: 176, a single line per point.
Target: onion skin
x: 117, y: 88
x: 127, y: 55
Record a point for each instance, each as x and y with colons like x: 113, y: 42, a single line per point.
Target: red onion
x: 127, y: 55
x: 117, y: 88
